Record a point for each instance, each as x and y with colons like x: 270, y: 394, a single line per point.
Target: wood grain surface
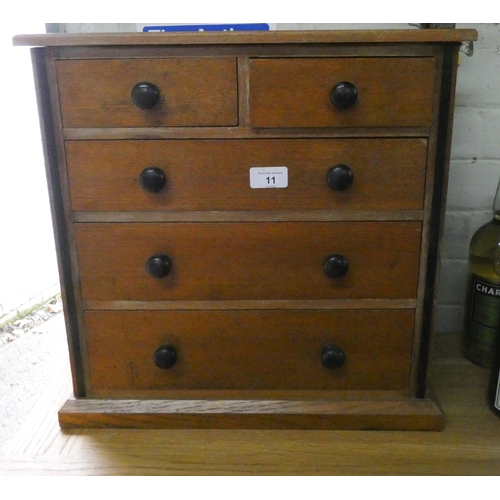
x: 380, y: 37
x: 395, y: 92
x: 249, y: 349
x: 409, y: 415
x: 193, y: 92
x: 214, y: 174
x: 252, y: 260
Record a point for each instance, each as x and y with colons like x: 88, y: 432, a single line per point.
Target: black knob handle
x: 152, y: 179
x: 344, y: 95
x: 145, y: 95
x: 340, y: 177
x: 332, y: 357
x: 158, y: 265
x: 165, y: 357
x: 335, y: 266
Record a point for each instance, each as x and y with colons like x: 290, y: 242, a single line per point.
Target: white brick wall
x: 474, y: 169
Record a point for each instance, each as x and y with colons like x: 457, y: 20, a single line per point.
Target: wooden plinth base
x: 413, y: 414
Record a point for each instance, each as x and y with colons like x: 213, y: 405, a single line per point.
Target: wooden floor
x: 470, y: 444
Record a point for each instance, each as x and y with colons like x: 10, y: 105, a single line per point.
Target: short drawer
x: 249, y: 260
x: 190, y: 91
x: 390, y: 92
x: 249, y: 349
x: 387, y: 174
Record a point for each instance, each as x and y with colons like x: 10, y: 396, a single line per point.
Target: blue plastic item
x: 209, y: 27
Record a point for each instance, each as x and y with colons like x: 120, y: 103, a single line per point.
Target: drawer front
x: 214, y: 174
x: 251, y: 260
x: 192, y: 92
x: 249, y: 349
x: 391, y: 92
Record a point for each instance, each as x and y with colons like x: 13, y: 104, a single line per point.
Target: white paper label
x: 497, y: 398
x: 268, y: 177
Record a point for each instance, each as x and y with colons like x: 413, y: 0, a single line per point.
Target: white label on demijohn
x: 497, y: 397
x: 268, y: 177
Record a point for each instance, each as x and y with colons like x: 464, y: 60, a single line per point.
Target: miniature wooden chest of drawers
x: 247, y: 224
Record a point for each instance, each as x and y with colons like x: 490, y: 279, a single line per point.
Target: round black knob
x: 165, y: 357
x: 145, y: 95
x: 332, y: 357
x: 335, y: 266
x: 152, y: 179
x: 344, y: 95
x: 340, y: 177
x: 159, y: 265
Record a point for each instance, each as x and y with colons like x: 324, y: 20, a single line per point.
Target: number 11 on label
x: 268, y: 177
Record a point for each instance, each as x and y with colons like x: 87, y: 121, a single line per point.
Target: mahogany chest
x: 248, y: 224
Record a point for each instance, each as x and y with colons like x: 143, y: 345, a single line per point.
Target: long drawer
x: 249, y: 349
x: 387, y: 174
x: 251, y: 260
x: 194, y: 91
x: 390, y: 92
